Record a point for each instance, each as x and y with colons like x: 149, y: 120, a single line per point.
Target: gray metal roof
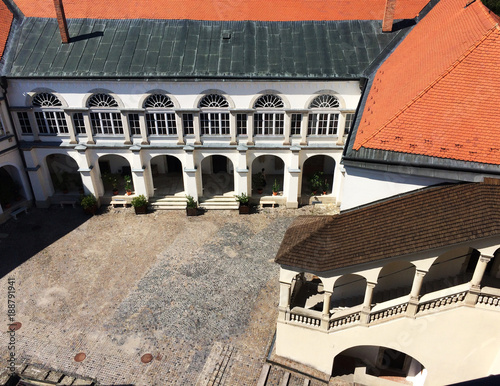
x: 195, y: 49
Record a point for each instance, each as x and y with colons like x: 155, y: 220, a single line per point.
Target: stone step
x: 219, y: 207
x: 169, y: 199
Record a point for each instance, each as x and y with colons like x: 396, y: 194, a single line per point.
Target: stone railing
x: 306, y: 317
x: 489, y: 297
x: 388, y: 312
x: 442, y: 301
x: 340, y: 321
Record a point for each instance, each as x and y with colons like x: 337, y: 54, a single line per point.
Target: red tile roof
x: 437, y: 94
x: 5, y: 23
x: 265, y: 10
x: 418, y: 221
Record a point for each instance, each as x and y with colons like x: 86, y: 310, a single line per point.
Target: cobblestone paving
x: 198, y: 293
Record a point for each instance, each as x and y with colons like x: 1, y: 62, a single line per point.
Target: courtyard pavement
x: 198, y: 293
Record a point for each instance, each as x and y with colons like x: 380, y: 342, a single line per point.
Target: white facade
x: 191, y: 146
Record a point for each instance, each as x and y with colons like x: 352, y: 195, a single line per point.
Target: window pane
x: 241, y: 124
x: 188, y: 123
x: 24, y: 122
x: 133, y: 122
x: 40, y: 122
x: 295, y: 124
x: 349, y: 117
x: 171, y: 123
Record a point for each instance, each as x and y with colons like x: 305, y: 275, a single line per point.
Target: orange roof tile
x: 5, y: 23
x: 265, y: 10
x: 437, y: 94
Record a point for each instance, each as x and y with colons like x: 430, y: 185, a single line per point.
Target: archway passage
x: 394, y: 280
x: 380, y: 362
x: 64, y: 174
x: 116, y: 174
x: 267, y: 175
x: 307, y: 292
x: 317, y: 175
x: 11, y: 187
x: 217, y: 175
x: 167, y: 176
x: 349, y: 291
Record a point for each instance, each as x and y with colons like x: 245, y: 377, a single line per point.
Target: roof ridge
x: 431, y: 85
x: 489, y: 13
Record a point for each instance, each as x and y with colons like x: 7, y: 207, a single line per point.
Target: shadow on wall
x: 23, y: 238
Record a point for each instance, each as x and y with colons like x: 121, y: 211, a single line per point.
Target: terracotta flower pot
x: 244, y: 209
x: 191, y: 211
x: 141, y: 209
x: 275, y: 193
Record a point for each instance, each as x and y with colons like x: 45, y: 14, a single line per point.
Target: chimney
x: 390, y: 6
x: 61, y: 20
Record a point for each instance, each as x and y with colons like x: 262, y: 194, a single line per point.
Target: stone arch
x: 285, y: 100
x: 451, y: 268
x: 272, y: 167
x: 147, y: 94
x: 319, y: 167
x: 307, y: 291
x: 167, y: 173
x: 337, y: 95
x: 379, y: 361
x: 394, y: 280
x: 217, y: 92
x: 217, y: 174
x: 31, y: 94
x: 349, y: 291
x: 64, y: 174
x: 11, y: 185
x: 113, y: 169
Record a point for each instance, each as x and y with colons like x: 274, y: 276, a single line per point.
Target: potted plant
x: 140, y: 204
x: 128, y: 184
x: 191, y: 206
x: 112, y: 180
x: 244, y: 201
x: 276, y: 188
x: 259, y: 181
x: 326, y: 186
x: 89, y: 204
x: 316, y: 182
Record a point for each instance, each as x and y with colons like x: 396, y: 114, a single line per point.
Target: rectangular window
x: 349, y: 118
x: 24, y: 122
x: 188, y: 124
x: 79, y: 123
x: 133, y: 123
x: 241, y: 124
x: 214, y: 123
x: 161, y: 124
x: 50, y: 122
x: 106, y: 123
x: 323, y: 124
x: 269, y: 123
x: 296, y: 121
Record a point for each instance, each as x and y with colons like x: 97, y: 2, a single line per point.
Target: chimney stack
x: 61, y: 20
x: 390, y: 6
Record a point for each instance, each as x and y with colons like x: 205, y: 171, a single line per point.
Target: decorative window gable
x: 102, y: 100
x: 158, y: 101
x: 269, y: 101
x: 45, y: 99
x: 213, y: 100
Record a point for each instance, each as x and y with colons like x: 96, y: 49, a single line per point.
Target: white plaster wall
x: 455, y: 345
x: 297, y: 95
x: 362, y: 186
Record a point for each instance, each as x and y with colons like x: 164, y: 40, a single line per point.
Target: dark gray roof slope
x: 185, y: 48
x: 432, y: 218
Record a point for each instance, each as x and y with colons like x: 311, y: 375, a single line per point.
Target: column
x: 34, y: 125
x: 303, y: 129
x: 37, y: 179
x: 250, y: 121
x: 196, y: 124
x: 291, y: 179
x: 325, y: 317
x: 367, y: 303
x: 144, y: 131
x: 126, y: 129
x: 85, y: 169
x: 418, y: 279
x: 190, y: 185
x: 340, y: 130
x: 284, y: 304
x: 475, y: 283
x: 138, y: 171
x: 180, y: 128
x: 286, y: 132
x: 71, y: 128
x: 232, y: 128
x: 88, y: 128
x: 241, y: 184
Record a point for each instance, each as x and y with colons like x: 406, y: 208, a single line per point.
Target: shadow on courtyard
x: 23, y: 238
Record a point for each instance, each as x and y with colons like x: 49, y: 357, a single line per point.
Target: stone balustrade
x: 442, y: 301
x: 306, y: 317
x: 388, y: 312
x: 340, y: 321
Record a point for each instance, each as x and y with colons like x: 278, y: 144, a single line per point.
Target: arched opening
x: 217, y: 175
x: 349, y: 291
x: 317, y: 176
x: 450, y: 269
x: 11, y: 187
x: 64, y: 174
x: 167, y: 176
x: 307, y: 292
x: 116, y: 174
x: 268, y: 175
x: 380, y: 362
x: 492, y: 275
x: 394, y: 280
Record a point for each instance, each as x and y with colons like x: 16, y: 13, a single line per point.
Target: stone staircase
x: 219, y: 203
x: 273, y: 375
x: 168, y: 203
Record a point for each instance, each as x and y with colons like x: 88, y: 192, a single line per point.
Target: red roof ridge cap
x: 425, y: 90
